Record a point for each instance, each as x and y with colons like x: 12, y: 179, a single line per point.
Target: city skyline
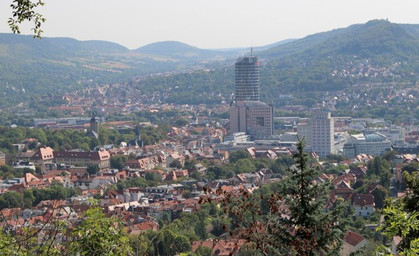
x: 204, y: 24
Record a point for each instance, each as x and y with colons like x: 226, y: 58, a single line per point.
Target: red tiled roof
x: 363, y: 199
x: 44, y: 154
x: 100, y: 155
x: 353, y: 238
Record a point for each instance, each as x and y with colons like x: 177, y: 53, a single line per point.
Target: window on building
x: 260, y: 121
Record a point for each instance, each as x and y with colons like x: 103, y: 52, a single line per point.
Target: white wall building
x: 363, y: 205
x: 237, y: 137
x: 394, y: 134
x: 372, y: 144
x: 321, y: 132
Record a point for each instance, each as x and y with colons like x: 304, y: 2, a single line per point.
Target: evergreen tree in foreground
x: 294, y: 220
x: 309, y: 228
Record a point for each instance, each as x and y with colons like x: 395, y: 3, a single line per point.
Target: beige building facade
x: 255, y: 118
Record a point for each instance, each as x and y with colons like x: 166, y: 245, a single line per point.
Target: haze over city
x: 150, y: 128
x: 207, y: 24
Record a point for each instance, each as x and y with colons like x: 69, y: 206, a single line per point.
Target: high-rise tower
x: 247, y: 82
x: 322, y: 133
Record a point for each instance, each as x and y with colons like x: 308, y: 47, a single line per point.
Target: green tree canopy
x: 98, y: 235
x: 237, y: 155
x: 118, y: 162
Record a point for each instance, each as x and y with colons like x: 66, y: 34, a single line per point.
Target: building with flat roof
x: 255, y: 118
x: 318, y: 133
x: 247, y: 82
x: 67, y: 122
x: 374, y: 144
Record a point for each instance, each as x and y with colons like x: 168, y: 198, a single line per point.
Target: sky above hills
x: 208, y: 24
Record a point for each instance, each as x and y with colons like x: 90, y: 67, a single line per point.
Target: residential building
x: 76, y: 158
x: 42, y: 156
x: 173, y: 157
x: 363, y: 204
x: 352, y: 243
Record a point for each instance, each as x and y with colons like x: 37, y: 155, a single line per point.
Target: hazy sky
x: 208, y: 24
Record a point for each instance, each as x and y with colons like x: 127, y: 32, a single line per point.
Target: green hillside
x: 177, y: 50
x: 55, y: 65
x: 378, y: 51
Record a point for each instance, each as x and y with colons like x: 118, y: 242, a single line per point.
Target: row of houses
x: 45, y: 156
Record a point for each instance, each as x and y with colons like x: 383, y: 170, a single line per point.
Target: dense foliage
x: 66, y: 139
x: 401, y: 218
x: 290, y: 219
x: 32, y: 197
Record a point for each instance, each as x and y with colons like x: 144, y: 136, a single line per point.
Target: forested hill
x: 178, y: 50
x: 377, y: 51
x: 32, y: 67
x: 376, y: 37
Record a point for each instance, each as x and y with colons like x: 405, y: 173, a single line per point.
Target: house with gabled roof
x: 43, y: 156
x: 352, y: 243
x: 221, y: 247
x: 363, y: 204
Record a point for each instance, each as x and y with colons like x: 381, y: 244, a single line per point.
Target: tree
x: 203, y: 251
x: 401, y: 218
x: 166, y: 242
x: 201, y: 226
x: 378, y: 166
x: 296, y: 222
x: 99, y: 235
x: 152, y: 176
x: 118, y: 162
x: 11, y: 200
x: 379, y: 169
x: 239, y: 154
x: 282, y: 163
x: 380, y: 195
x: 24, y: 10
x: 176, y: 164
x: 410, y: 167
x: 129, y: 183
x: 93, y: 169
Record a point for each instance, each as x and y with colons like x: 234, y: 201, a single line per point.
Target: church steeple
x: 94, y: 123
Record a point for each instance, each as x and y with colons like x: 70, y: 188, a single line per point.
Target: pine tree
x: 293, y: 220
x: 307, y: 227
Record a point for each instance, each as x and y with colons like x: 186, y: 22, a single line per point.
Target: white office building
x: 320, y: 131
x: 372, y: 144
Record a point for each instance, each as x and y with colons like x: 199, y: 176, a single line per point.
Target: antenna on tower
x: 251, y: 49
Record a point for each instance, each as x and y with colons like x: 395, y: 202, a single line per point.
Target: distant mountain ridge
x: 314, y: 63
x: 374, y: 52
x: 175, y: 49
x: 354, y: 40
